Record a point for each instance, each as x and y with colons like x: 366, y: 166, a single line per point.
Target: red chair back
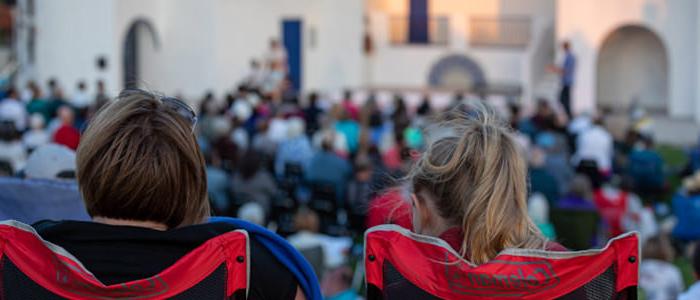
x: 403, y: 265
x: 32, y: 268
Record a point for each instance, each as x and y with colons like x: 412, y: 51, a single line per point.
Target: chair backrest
x: 323, y: 197
x: 32, y: 200
x: 293, y: 171
x: 403, y: 265
x: 576, y: 229
x: 6, y: 168
x: 315, y: 256
x: 32, y: 268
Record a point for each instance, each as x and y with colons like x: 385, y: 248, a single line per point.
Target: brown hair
x: 477, y: 180
x: 306, y: 219
x: 139, y: 160
x: 658, y: 247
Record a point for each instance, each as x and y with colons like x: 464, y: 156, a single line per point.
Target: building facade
x: 628, y: 51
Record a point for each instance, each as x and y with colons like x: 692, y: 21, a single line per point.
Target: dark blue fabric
x: 695, y: 160
x: 32, y: 200
x: 686, y: 208
x: 646, y: 168
x: 418, y: 22
x: 543, y: 182
x: 292, y: 35
x: 284, y: 252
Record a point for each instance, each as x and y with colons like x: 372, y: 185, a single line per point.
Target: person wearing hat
x: 51, y: 161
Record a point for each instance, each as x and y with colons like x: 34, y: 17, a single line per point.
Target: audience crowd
x: 319, y: 171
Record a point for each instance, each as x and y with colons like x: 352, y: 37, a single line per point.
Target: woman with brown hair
x: 470, y: 189
x: 142, y: 178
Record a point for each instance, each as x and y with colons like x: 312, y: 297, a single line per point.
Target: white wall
x: 409, y: 65
x: 632, y: 66
x: 207, y: 45
x: 587, y: 23
x: 70, y: 35
x: 204, y: 44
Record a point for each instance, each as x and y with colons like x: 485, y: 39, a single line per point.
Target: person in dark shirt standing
x: 142, y: 178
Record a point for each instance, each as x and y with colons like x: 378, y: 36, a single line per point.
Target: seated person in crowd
x: 218, y: 184
x: 622, y: 210
x: 296, y: 148
x: 646, y: 168
x: 538, y: 210
x: 65, y: 132
x: 686, y: 208
x: 253, y: 183
x: 321, y: 250
x: 470, y: 189
x: 541, y: 181
x: 328, y: 167
x: 659, y: 278
x: 359, y: 193
x: 12, y: 151
x: 142, y: 178
x: 694, y: 291
x: 579, y: 196
x: 337, y: 284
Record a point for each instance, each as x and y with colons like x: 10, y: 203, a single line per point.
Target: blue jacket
x: 284, y: 252
x: 687, y: 209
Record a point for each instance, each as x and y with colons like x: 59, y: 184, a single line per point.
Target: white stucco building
x: 627, y: 50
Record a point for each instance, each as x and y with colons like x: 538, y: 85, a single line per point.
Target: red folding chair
x: 31, y: 268
x: 403, y: 265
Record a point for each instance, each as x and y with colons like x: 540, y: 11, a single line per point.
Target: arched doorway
x: 140, y: 43
x: 456, y: 71
x: 632, y: 68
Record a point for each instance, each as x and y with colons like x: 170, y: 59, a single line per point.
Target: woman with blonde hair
x: 470, y: 189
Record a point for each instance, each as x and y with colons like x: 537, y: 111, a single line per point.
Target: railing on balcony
x: 502, y: 31
x: 438, y: 30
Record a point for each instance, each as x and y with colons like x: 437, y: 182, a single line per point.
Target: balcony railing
x: 509, y: 32
x: 438, y: 30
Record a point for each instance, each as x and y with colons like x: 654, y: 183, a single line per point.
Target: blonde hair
x: 692, y: 183
x: 477, y: 179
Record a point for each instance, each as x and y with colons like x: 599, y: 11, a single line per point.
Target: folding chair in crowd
x: 403, y: 265
x: 32, y: 268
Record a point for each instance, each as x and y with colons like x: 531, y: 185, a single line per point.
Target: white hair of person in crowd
x: 277, y: 130
x: 12, y: 109
x: 295, y: 127
x: 581, y: 122
x: 64, y: 114
x: 37, y: 135
x: 538, y: 210
x: 330, y: 136
x: 252, y: 212
x: 81, y: 98
x: 239, y: 136
x: 220, y: 127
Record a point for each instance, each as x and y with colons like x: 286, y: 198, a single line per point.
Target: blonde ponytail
x: 477, y: 178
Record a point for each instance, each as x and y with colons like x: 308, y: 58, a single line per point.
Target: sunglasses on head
x: 177, y: 105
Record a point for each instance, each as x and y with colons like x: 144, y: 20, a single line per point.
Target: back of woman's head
x: 139, y: 160
x: 474, y: 174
